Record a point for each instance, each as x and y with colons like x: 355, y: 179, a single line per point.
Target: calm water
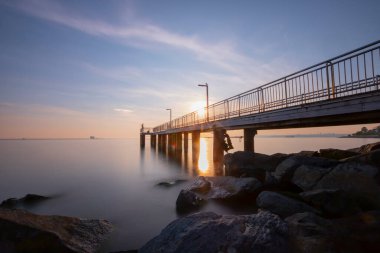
x: 115, y: 180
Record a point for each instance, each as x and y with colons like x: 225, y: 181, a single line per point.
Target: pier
x: 342, y: 90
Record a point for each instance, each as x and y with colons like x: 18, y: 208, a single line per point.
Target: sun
x: 199, y: 107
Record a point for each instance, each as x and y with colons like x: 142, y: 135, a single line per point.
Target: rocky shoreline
x: 308, y: 202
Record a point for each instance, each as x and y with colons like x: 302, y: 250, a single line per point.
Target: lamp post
x: 205, y: 85
x: 170, y: 122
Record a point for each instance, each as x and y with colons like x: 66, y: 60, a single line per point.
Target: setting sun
x: 199, y: 107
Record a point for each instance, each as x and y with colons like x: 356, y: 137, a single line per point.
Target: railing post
x: 239, y: 106
x: 286, y: 93
x: 332, y: 80
x: 328, y: 79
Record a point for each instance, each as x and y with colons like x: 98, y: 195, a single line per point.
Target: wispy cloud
x: 221, y: 53
x: 123, y: 110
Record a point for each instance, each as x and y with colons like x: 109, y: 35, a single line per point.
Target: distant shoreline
x: 361, y: 136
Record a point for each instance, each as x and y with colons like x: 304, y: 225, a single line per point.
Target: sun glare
x: 199, y: 107
x: 203, y: 164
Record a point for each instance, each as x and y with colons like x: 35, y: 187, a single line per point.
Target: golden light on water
x: 203, y: 163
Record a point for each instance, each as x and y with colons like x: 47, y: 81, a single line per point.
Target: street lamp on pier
x: 170, y: 122
x: 205, y: 85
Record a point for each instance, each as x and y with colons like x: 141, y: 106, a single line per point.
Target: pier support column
x: 218, y: 145
x: 249, y: 143
x: 153, y: 140
x: 195, y: 136
x: 185, y: 142
x: 164, y: 143
x: 178, y: 145
x: 142, y: 140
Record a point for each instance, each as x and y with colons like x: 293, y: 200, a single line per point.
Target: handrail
x: 350, y: 73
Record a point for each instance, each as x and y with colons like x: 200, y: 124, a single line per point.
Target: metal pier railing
x: 354, y: 72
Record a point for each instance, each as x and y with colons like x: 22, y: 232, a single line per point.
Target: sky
x: 71, y: 69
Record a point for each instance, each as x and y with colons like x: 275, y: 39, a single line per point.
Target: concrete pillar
x: 185, y: 142
x: 159, y: 141
x: 142, y: 140
x: 153, y: 140
x: 164, y: 143
x: 195, y: 136
x: 249, y: 143
x: 178, y: 145
x: 218, y: 145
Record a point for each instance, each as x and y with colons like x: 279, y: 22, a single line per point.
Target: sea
x: 116, y: 180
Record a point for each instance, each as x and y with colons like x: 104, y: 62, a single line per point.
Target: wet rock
x: 209, y: 232
x: 332, y: 202
x: 200, y: 185
x: 249, y: 164
x: 336, y: 154
x: 29, y: 199
x: 171, y: 182
x: 306, y: 176
x: 22, y: 231
x: 188, y: 201
x: 285, y: 170
x: 309, y: 233
x: 282, y: 205
x: 307, y: 153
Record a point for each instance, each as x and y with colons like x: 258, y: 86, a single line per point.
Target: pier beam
x: 153, y: 140
x: 185, y: 142
x: 142, y: 140
x: 249, y: 143
x: 218, y: 145
x: 195, y: 136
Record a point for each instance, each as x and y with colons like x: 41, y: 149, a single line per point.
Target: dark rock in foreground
x: 29, y: 199
x: 309, y: 233
x: 188, y: 201
x: 22, y: 231
x: 209, y: 232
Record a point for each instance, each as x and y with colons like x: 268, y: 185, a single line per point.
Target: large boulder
x: 200, y: 185
x: 285, y: 170
x: 249, y: 164
x: 209, y: 232
x: 367, y: 148
x: 309, y: 233
x: 336, y: 154
x: 372, y: 158
x: 306, y: 176
x: 332, y: 202
x: 312, y: 234
x: 356, y: 179
x: 282, y: 205
x: 22, y: 231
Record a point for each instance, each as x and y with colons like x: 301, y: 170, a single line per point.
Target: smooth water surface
x: 115, y: 180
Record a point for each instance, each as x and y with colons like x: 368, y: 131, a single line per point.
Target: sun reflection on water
x: 203, y: 163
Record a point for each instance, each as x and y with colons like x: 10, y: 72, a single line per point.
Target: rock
x: 171, y: 182
x: 209, y: 232
x: 336, y: 154
x: 312, y: 234
x: 188, y: 201
x: 200, y: 184
x: 333, y: 202
x: 309, y: 233
x: 282, y: 205
x: 231, y: 187
x: 285, y: 170
x: 306, y: 176
x: 22, y: 231
x: 307, y: 153
x: 29, y: 199
x: 356, y: 179
x: 372, y: 158
x: 249, y: 164
x: 368, y: 148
